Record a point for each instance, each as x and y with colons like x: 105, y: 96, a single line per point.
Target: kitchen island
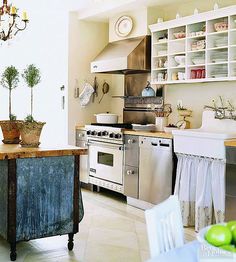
x: 39, y: 193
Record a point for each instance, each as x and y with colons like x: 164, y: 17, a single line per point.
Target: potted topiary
x: 30, y: 129
x: 10, y: 80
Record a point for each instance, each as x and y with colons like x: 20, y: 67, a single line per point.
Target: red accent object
x: 193, y: 74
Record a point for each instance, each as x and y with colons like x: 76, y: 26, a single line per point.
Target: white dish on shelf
x: 219, y: 60
x: 219, y: 75
x: 198, y: 60
x: 180, y: 60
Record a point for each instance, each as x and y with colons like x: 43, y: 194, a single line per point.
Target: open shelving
x: 210, y: 55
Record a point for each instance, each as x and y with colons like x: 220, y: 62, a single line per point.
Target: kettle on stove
x: 148, y: 90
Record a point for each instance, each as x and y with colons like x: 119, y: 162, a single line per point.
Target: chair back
x: 164, y: 226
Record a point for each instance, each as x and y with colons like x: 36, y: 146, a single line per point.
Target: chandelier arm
x: 20, y: 29
x: 10, y: 28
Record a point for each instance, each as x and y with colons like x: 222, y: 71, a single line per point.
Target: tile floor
x: 111, y: 231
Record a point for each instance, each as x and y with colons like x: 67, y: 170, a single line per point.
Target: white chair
x: 164, y: 226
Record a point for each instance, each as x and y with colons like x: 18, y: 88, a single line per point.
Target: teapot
x: 148, y: 90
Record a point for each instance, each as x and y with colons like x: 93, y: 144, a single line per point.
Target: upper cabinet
x: 197, y: 48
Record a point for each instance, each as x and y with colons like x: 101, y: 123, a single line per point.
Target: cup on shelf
x: 174, y: 76
x: 181, y: 76
x: 160, y: 77
x: 160, y: 20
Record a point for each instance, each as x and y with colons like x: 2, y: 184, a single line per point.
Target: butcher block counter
x: 138, y: 133
x: 39, y: 193
x: 148, y: 133
x: 230, y: 143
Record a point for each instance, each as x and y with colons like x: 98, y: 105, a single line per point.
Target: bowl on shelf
x: 198, y: 60
x: 221, y: 41
x: 180, y: 60
x: 179, y: 35
x: 221, y: 26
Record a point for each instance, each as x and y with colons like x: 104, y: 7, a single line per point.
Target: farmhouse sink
x: 208, y: 140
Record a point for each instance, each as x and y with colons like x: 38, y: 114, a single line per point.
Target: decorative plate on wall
x: 123, y: 26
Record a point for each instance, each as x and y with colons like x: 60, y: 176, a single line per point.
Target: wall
x: 195, y: 96
x: 86, y: 40
x: 43, y: 43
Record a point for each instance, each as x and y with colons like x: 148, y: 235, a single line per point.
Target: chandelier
x: 10, y: 21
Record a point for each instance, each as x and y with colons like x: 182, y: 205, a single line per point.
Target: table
x: 39, y: 193
x: 186, y: 253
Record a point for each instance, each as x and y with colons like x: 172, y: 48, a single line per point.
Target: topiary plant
x: 32, y: 77
x: 10, y: 80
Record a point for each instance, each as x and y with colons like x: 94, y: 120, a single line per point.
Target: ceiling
x: 103, y: 9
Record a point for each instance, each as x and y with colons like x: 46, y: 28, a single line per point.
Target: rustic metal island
x: 39, y: 193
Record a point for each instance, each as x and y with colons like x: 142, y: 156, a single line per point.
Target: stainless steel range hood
x: 128, y: 56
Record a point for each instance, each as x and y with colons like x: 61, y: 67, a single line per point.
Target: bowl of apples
x: 220, y: 239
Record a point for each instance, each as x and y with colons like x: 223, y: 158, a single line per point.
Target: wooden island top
x: 230, y: 143
x: 16, y: 151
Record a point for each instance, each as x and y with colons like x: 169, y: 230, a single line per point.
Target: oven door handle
x: 106, y: 145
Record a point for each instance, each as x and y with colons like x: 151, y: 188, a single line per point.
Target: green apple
x: 234, y: 235
x: 231, y: 224
x: 219, y: 235
x: 230, y: 248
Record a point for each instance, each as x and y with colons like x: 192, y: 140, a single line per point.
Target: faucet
x: 223, y: 112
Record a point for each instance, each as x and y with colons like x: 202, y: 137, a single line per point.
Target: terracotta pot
x: 30, y: 133
x: 10, y: 130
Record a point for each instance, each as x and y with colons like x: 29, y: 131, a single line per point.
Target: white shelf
x: 200, y: 80
x: 177, y: 40
x: 217, y: 48
x: 218, y: 33
x: 177, y: 53
x: 159, y: 69
x: 183, y: 46
x: 199, y: 65
x: 197, y: 37
x: 196, y: 51
x: 218, y: 63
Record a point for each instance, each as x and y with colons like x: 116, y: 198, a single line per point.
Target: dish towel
x: 86, y: 94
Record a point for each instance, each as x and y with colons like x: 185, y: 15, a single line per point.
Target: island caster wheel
x: 70, y: 244
x: 13, y: 256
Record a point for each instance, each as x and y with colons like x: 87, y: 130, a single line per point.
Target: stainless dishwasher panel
x: 131, y: 156
x: 155, y: 169
x: 131, y: 150
x: 81, y: 141
x: 131, y: 181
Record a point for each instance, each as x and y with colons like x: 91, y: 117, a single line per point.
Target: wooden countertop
x: 231, y: 143
x: 151, y: 134
x: 139, y: 133
x: 78, y: 126
x: 16, y: 151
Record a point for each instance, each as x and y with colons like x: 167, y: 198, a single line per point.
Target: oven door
x: 106, y: 161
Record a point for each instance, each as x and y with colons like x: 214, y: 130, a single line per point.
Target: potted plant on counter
x: 30, y: 129
x: 10, y: 80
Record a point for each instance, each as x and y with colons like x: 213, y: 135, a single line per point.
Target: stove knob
x: 89, y: 132
x: 100, y: 133
x: 111, y: 135
x: 105, y: 133
x: 93, y: 133
x: 117, y: 136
